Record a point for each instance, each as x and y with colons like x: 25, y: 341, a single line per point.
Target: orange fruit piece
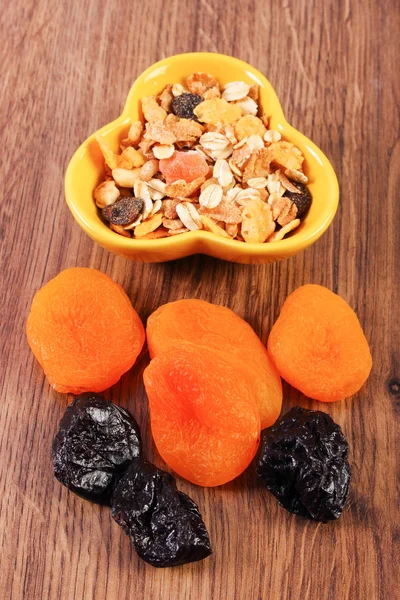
x: 220, y: 329
x: 183, y: 165
x: 204, y: 418
x: 318, y: 345
x: 83, y: 330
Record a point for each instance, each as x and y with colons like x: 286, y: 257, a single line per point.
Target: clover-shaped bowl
x: 86, y: 170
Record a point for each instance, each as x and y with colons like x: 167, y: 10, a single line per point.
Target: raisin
x: 124, y: 211
x: 95, y: 442
x: 183, y: 106
x: 303, y: 462
x: 165, y: 526
x: 302, y: 200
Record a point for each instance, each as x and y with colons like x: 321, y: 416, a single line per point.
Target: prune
x: 183, y: 106
x: 165, y: 526
x: 95, y: 442
x: 302, y: 200
x: 124, y: 211
x: 303, y: 462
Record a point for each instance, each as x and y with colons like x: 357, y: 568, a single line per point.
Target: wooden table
x: 66, y: 68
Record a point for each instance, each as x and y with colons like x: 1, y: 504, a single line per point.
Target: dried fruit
x: 95, y: 443
x: 216, y: 111
x: 183, y: 165
x: 318, y: 345
x: 183, y: 105
x: 164, y: 525
x: 69, y: 327
x: 219, y: 329
x: 303, y: 463
x: 124, y: 211
x: 302, y: 199
x: 204, y: 418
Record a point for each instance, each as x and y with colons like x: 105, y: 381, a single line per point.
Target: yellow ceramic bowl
x: 86, y: 170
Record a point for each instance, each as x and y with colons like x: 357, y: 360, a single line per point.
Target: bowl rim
x: 287, y: 246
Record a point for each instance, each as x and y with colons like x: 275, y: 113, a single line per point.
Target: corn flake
x: 151, y: 110
x: 257, y: 223
x: 286, y: 155
x: 249, y: 125
x: 216, y: 111
x: 182, y: 189
x: 203, y: 84
x: 211, y: 225
x: 149, y: 225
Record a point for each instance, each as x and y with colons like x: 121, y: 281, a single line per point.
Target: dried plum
x: 302, y: 200
x: 124, y: 211
x: 165, y: 526
x: 183, y: 106
x: 303, y: 462
x: 95, y: 442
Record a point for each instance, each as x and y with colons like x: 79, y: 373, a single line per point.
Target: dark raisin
x: 124, y: 211
x: 302, y: 200
x: 95, y: 442
x: 303, y: 462
x: 183, y: 106
x: 164, y: 525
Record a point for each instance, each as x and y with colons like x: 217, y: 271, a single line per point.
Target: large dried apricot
x: 318, y: 345
x: 83, y: 330
x: 204, y: 417
x: 219, y: 329
x: 183, y: 165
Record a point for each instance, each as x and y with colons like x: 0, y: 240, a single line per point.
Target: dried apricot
x: 204, y: 417
x: 183, y: 165
x: 83, y: 330
x: 219, y: 329
x: 318, y: 345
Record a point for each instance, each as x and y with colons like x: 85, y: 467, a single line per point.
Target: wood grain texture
x: 66, y: 68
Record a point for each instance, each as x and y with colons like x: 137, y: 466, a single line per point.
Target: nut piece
x: 163, y: 150
x: 211, y: 196
x: 106, y: 193
x: 189, y: 216
x: 148, y: 226
x: 151, y: 110
x: 280, y: 234
x: 135, y: 132
x: 166, y: 97
x: 235, y: 90
x: 124, y: 211
x: 257, y: 224
x: 149, y: 169
x: 126, y: 177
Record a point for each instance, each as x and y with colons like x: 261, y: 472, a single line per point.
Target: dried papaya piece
x: 204, y: 418
x: 318, y: 345
x: 219, y: 329
x: 84, y: 331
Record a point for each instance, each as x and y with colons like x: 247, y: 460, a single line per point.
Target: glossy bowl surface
x: 86, y: 169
